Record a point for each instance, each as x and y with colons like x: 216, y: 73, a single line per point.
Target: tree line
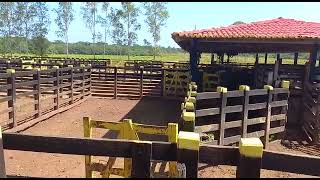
x: 24, y: 27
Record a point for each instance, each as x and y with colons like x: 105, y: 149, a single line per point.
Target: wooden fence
x: 35, y: 94
x: 230, y: 115
x: 184, y: 152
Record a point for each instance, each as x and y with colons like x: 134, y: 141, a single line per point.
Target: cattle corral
x: 220, y: 119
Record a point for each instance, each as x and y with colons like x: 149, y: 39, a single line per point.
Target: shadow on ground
x: 152, y: 111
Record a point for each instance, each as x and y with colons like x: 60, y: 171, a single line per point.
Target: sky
x: 196, y: 15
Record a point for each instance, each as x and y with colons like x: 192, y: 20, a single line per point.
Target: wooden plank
x: 208, y: 95
x: 257, y: 120
x: 141, y: 156
x: 280, y: 91
x: 2, y: 159
x: 278, y: 117
x: 268, y: 119
x: 207, y: 128
x: 286, y: 162
x: 277, y: 130
x: 231, y: 140
x: 232, y: 109
x: 257, y: 92
x: 279, y: 103
x: 218, y: 155
x: 257, y: 106
x: 207, y: 112
x: 256, y: 134
x: 233, y: 124
x: 222, y: 117
x: 235, y: 93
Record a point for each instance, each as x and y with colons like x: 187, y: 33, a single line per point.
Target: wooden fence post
x: 82, y: 71
x: 245, y: 110
x: 188, y: 121
x: 141, y: 159
x: 173, y: 137
x: 268, y: 115
x: 89, y: 70
x: 223, y: 92
x: 115, y: 82
x: 2, y: 161
x: 71, y: 84
x: 188, y: 152
x: 87, y: 133
x: 250, y: 161
x: 36, y: 87
x: 56, y: 83
x: 12, y: 92
x: 141, y: 81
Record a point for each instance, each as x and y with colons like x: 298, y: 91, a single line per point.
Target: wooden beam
x: 296, y: 58
x: 194, y: 58
x: 313, y: 59
x: 141, y: 159
x: 266, y: 58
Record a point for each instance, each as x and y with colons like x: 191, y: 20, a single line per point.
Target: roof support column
x: 194, y: 59
x: 295, y: 58
x: 313, y: 59
x: 266, y: 58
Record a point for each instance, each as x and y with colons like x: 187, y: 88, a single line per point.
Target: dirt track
x: 69, y: 124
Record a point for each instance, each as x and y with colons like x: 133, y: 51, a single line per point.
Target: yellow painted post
x: 188, y: 152
x: 173, y: 137
x: 128, y: 133
x: 188, y: 121
x: 251, y: 150
x: 87, y: 133
x: 285, y: 84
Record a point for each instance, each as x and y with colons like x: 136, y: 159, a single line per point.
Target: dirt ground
x: 69, y: 124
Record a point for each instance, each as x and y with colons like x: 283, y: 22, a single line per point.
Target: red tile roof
x: 280, y: 28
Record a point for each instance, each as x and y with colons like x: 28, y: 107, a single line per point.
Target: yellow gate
x: 210, y: 81
x: 175, y: 83
x: 127, y: 130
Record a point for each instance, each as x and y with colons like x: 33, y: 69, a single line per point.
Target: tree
x: 7, y: 24
x: 64, y: 18
x: 89, y: 12
x: 129, y: 14
x: 25, y: 14
x: 117, y: 33
x: 238, y: 22
x: 146, y: 42
x: 105, y: 22
x: 157, y: 14
x: 40, y: 29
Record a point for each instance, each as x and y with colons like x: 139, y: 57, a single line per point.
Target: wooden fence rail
x: 34, y: 94
x: 186, y: 151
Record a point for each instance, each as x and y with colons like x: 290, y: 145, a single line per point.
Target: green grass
x: 177, y: 57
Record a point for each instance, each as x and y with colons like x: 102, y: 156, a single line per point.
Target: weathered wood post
x: 268, y: 115
x: 245, y: 110
x: 295, y: 59
x: 70, y: 80
x: 250, y: 161
x: 11, y: 92
x: 82, y: 71
x: 173, y: 137
x: 88, y: 134
x: 313, y: 59
x: 141, y: 81
x: 56, y: 84
x: 223, y: 91
x: 194, y: 58
x: 115, y: 82
x: 266, y: 58
x: 37, y: 96
x: 2, y: 160
x: 188, y: 152
x: 257, y: 59
x: 141, y: 159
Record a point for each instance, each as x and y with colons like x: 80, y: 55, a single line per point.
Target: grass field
x: 177, y: 57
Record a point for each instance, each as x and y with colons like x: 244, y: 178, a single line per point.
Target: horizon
x: 203, y: 17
